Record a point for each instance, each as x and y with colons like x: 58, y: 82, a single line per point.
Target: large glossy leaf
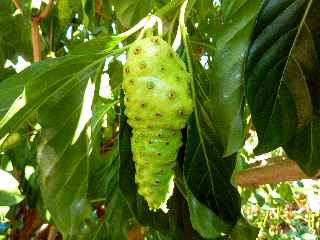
x: 63, y: 165
x: 58, y: 87
x: 303, y: 148
x: 9, y: 190
x: 215, y: 129
x: 44, y: 79
x: 282, y: 67
x: 226, y: 71
x: 208, y: 173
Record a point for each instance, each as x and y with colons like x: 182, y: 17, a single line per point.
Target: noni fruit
x: 158, y: 104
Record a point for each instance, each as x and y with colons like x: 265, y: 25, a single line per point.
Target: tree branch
x: 36, y: 20
x: 17, y: 5
x: 36, y: 40
x: 277, y: 170
x: 45, y: 13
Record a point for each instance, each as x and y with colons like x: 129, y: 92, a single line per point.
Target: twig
x: 52, y: 233
x: 17, y: 5
x: 36, y: 20
x: 277, y: 170
x: 36, y: 45
x: 45, y: 13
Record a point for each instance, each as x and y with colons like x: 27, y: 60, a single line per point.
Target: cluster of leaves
x: 78, y: 143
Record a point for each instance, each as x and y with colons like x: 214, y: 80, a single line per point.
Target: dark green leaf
x: 215, y: 131
x: 282, y: 67
x: 117, y: 217
x: 304, y: 147
x: 206, y: 222
x: 208, y: 174
x: 115, y: 74
x: 129, y: 12
x: 9, y: 190
x: 104, y: 174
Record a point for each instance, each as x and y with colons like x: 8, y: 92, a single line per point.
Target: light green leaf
x: 129, y: 12
x: 9, y: 190
x: 227, y: 71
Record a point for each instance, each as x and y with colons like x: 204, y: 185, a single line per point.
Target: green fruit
x: 158, y: 104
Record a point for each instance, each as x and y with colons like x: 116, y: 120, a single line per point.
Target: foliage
x: 64, y: 139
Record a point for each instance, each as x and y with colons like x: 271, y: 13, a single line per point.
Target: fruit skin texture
x: 158, y: 104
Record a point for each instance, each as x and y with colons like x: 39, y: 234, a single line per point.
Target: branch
x: 36, y: 45
x: 277, y: 170
x: 45, y: 13
x: 17, y: 5
x: 35, y: 31
x: 52, y: 233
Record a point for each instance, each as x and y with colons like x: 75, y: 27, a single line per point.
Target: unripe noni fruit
x: 158, y: 104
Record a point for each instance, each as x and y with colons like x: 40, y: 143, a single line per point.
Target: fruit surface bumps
x: 158, y: 104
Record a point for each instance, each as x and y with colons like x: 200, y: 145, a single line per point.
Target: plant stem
x: 36, y: 40
x: 52, y: 233
x: 36, y: 20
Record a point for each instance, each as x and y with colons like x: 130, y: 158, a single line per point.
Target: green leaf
x: 118, y: 216
x: 15, y: 35
x: 206, y: 222
x: 244, y: 231
x: 226, y: 71
x: 57, y: 88
x: 115, y: 74
x: 282, y: 67
x: 286, y: 192
x: 9, y: 190
x: 67, y: 10
x: 104, y: 174
x: 208, y: 174
x: 129, y: 12
x: 100, y: 108
x: 45, y: 79
x: 304, y: 147
x: 215, y: 130
x: 63, y: 165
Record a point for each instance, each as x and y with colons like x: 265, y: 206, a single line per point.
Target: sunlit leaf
x: 9, y: 190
